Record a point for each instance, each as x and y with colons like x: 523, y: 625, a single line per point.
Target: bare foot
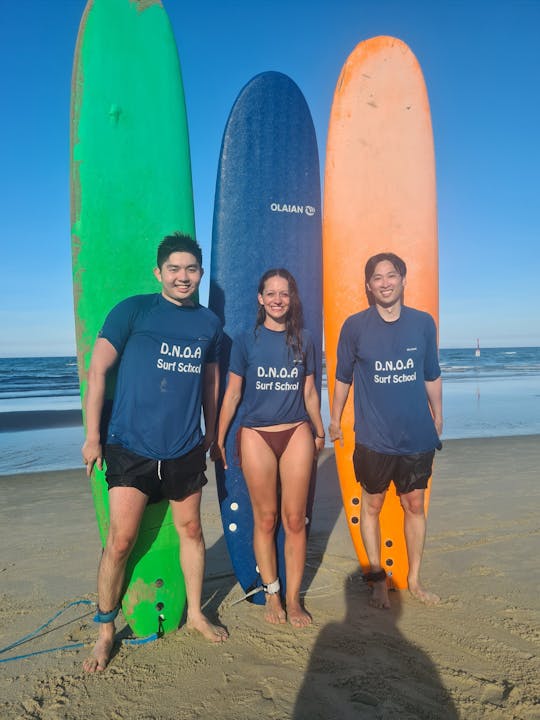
x: 99, y: 658
x: 214, y: 633
x: 425, y: 596
x: 379, y: 598
x: 274, y: 612
x: 297, y: 616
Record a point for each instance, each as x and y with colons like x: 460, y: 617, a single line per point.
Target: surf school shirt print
x: 389, y: 362
x: 163, y: 349
x: 274, y: 376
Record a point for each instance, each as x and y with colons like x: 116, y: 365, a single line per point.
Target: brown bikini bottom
x: 277, y: 440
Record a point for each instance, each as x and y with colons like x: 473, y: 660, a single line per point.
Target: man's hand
x: 208, y: 441
x: 217, y: 453
x: 92, y: 454
x: 335, y: 432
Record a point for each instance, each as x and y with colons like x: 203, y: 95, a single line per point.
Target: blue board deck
x: 267, y: 214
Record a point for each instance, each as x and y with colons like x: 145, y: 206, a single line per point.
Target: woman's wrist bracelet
x: 321, y: 437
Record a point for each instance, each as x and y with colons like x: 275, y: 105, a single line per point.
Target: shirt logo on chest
x: 274, y: 372
x: 181, y: 351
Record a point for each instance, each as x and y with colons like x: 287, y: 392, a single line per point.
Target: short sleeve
x: 214, y: 349
x: 238, y: 360
x: 346, y: 353
x: 118, y: 323
x: 309, y: 351
x: 432, y: 369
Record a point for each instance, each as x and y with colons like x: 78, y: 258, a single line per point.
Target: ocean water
x: 493, y: 395
x: 40, y: 415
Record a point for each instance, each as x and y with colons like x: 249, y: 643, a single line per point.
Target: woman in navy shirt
x: 272, y: 372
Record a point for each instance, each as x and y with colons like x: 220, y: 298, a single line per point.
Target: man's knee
x: 372, y: 503
x: 120, y: 545
x: 413, y: 503
x: 190, y: 530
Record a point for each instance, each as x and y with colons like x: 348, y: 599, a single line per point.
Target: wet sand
x: 473, y: 656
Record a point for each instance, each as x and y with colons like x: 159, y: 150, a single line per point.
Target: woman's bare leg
x: 259, y: 466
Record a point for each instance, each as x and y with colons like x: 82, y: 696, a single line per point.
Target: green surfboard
x: 130, y: 186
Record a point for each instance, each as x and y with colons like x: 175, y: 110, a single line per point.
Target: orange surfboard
x: 379, y: 196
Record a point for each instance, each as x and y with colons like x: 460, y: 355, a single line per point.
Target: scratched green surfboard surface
x: 130, y: 186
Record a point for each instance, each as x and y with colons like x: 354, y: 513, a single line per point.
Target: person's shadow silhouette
x: 364, y: 668
x: 327, y: 506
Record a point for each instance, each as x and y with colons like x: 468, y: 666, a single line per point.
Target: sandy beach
x: 473, y: 656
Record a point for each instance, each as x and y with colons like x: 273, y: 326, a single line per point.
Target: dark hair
x: 295, y: 317
x: 178, y: 242
x: 373, y: 261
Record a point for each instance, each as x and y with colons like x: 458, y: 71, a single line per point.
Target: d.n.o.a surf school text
x: 395, y: 371
x: 280, y: 378
x: 182, y: 353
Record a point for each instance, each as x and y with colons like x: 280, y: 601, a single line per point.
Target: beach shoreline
x: 496, y: 395
x: 473, y: 656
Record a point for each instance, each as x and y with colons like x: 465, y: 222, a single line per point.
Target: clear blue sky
x: 482, y: 68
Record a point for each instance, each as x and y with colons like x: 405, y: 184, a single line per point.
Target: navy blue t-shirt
x: 163, y: 349
x: 274, y: 376
x: 389, y: 363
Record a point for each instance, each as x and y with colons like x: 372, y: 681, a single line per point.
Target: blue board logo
x: 308, y: 210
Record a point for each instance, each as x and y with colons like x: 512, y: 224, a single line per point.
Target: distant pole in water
x: 477, y: 351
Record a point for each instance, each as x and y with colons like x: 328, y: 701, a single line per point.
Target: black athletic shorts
x: 374, y: 471
x: 174, y: 479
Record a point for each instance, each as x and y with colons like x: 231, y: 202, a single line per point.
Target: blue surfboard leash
x: 72, y: 646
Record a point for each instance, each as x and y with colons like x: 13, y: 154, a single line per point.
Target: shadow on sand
x: 219, y: 579
x: 327, y: 506
x: 364, y: 668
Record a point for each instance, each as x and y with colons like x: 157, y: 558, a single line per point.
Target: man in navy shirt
x: 390, y: 353
x: 166, y: 347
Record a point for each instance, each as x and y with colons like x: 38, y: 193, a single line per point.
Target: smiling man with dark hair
x: 166, y: 347
x: 390, y: 353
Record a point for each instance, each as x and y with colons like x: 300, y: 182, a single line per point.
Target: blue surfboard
x: 267, y: 214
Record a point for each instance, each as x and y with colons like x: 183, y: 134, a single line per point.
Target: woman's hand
x: 319, y: 445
